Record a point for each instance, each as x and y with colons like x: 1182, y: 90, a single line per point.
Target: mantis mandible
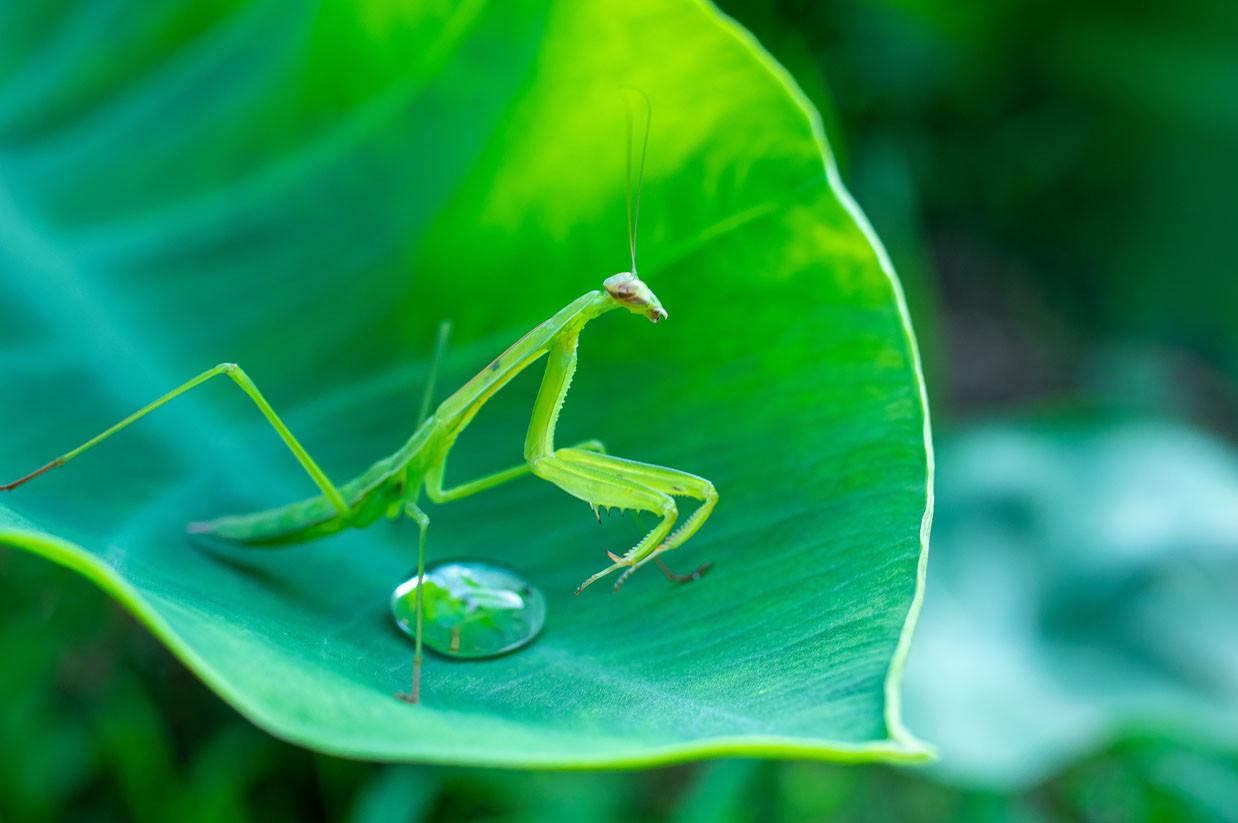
x: 393, y: 485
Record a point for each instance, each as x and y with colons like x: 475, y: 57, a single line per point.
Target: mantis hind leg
x: 238, y: 376
x: 671, y: 482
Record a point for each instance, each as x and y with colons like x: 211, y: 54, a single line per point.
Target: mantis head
x: 630, y: 291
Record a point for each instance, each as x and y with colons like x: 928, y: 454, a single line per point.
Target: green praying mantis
x: 393, y: 485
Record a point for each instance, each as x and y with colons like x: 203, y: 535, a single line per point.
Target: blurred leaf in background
x: 1084, y: 578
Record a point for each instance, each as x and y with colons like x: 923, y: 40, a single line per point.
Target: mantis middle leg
x: 423, y: 524
x: 434, y: 479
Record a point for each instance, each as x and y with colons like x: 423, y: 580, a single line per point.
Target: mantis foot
x: 631, y: 567
x: 695, y: 574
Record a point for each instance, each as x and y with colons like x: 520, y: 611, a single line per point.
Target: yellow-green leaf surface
x: 307, y: 189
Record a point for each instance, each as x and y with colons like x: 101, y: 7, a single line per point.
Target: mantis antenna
x: 634, y: 209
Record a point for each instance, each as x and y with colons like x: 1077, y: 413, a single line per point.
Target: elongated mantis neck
x: 600, y: 304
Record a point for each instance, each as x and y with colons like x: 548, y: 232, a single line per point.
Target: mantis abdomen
x: 377, y: 492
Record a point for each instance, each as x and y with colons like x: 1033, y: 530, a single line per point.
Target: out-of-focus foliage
x: 1084, y: 578
x: 307, y: 191
x: 1055, y: 181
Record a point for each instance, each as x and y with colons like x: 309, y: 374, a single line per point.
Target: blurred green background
x: 1057, y: 184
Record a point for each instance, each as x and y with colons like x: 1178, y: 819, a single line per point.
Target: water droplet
x: 472, y: 609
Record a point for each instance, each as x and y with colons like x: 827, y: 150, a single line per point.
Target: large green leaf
x: 308, y: 194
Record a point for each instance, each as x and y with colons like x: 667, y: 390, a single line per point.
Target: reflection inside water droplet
x: 472, y: 609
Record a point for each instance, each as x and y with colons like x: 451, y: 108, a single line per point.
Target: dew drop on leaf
x: 472, y: 609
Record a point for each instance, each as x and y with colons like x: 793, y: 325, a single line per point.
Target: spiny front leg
x: 597, y: 488
x: 625, y: 484
x: 671, y: 482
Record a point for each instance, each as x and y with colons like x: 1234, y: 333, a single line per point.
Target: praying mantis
x: 393, y: 485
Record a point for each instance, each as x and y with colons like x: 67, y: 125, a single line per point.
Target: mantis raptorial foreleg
x: 600, y: 489
x: 672, y: 482
x: 239, y: 377
x: 602, y: 480
x: 615, y: 482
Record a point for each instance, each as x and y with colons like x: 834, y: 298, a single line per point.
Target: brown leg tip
x: 701, y: 571
x: 8, y: 487
x: 405, y: 697
x: 683, y: 578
